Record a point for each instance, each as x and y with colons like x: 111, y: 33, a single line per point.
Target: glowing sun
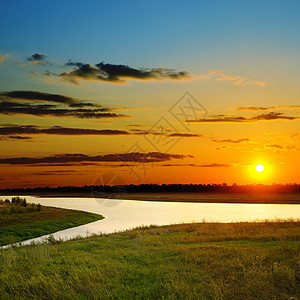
x: 259, y: 168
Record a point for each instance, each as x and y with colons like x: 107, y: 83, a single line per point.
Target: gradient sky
x: 124, y: 67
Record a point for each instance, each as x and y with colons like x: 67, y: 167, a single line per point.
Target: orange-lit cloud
x: 235, y: 79
x: 3, y: 57
x: 241, y: 119
x: 231, y: 141
x: 261, y: 108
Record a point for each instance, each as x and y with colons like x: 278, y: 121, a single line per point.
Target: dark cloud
x: 32, y: 103
x: 12, y: 129
x: 39, y: 96
x: 135, y: 125
x: 57, y: 130
x: 38, y: 58
x: 185, y: 135
x: 214, y: 165
x: 14, y: 108
x: 241, y: 119
x: 73, y: 164
x: 118, y: 73
x: 70, y: 63
x: 16, y: 137
x: 54, y: 172
x: 79, y: 158
x: 232, y: 141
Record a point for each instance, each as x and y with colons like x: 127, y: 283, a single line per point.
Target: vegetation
x: 217, y: 193
x: 20, y: 220
x: 187, y: 261
x: 163, y: 188
x: 18, y: 206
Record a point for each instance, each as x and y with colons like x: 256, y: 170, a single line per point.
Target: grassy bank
x: 19, y: 222
x: 188, y: 261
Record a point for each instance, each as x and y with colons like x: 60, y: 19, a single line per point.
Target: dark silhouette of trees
x: 161, y: 188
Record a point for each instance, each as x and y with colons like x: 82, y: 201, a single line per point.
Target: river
x: 121, y: 215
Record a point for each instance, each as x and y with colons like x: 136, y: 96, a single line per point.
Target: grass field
x: 28, y: 224
x: 188, y: 261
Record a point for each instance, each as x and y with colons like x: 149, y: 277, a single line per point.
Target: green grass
x: 188, y: 261
x: 22, y: 226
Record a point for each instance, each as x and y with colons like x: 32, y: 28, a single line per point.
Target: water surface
x: 127, y: 214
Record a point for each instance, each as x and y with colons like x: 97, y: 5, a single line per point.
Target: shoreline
x: 241, y: 198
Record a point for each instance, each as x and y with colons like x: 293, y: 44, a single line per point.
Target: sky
x: 149, y: 92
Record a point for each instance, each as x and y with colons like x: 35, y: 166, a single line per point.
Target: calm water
x: 127, y: 214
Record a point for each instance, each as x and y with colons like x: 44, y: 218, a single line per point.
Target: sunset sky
x: 156, y: 92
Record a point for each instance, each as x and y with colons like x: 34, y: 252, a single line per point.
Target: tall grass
x: 258, y: 260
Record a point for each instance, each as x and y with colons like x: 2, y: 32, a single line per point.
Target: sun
x: 259, y: 168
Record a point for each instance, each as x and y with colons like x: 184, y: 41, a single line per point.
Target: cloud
x: 33, y: 103
x: 185, y: 135
x: 164, y: 132
x: 232, y: 141
x: 261, y: 108
x: 79, y: 158
x: 135, y: 125
x: 3, y: 57
x: 38, y: 58
x: 56, y: 130
x: 241, y: 119
x: 39, y: 96
x: 70, y: 63
x: 235, y: 79
x: 13, y: 129
x: 214, y: 165
x: 118, y: 73
x: 16, y: 137
x: 54, y: 172
x: 274, y: 146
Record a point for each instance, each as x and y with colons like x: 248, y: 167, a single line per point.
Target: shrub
x: 19, y: 206
x: 12, y: 210
x: 19, y: 201
x: 22, y: 210
x: 4, y: 211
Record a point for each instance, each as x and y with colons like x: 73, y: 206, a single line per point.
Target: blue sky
x: 150, y: 33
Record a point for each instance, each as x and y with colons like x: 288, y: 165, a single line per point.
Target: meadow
x: 257, y: 260
x: 20, y: 220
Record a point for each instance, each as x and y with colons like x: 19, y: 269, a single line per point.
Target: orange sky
x: 161, y: 102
